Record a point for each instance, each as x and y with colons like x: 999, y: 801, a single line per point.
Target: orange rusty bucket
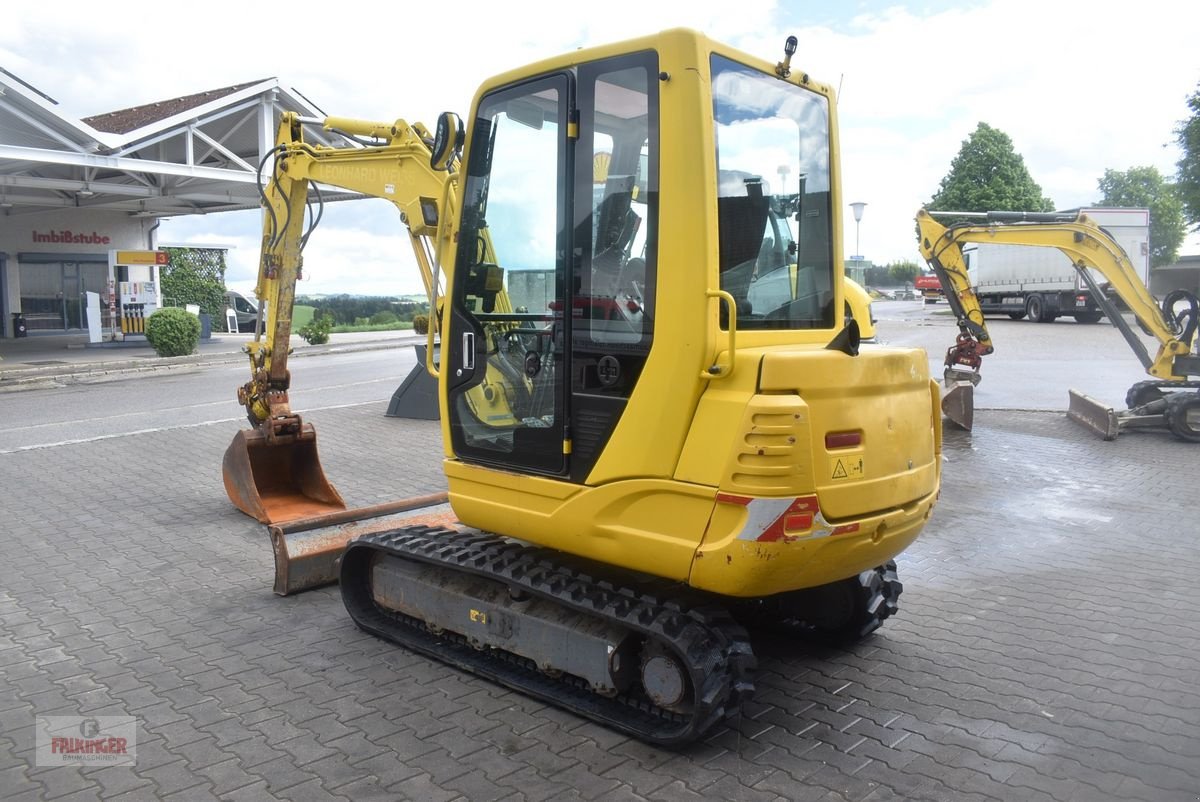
x: 281, y: 481
x: 308, y: 550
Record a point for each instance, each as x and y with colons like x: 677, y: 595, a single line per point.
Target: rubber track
x: 880, y: 589
x: 714, y: 649
x: 1165, y: 386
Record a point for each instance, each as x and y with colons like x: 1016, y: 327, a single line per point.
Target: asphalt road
x: 1034, y: 364
x: 109, y: 407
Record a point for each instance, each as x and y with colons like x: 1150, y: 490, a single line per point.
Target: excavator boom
x: 273, y: 472
x: 1089, y: 248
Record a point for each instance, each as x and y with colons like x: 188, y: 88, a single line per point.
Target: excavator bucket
x: 1095, y: 415
x: 278, y: 482
x: 958, y: 404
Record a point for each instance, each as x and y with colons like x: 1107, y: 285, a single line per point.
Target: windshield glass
x: 774, y: 222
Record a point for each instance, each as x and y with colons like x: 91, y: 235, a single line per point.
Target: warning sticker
x: 846, y: 467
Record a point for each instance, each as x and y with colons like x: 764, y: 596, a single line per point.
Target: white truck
x: 1040, y: 283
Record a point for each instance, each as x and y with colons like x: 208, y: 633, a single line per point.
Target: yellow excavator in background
x: 1170, y: 399
x: 656, y: 423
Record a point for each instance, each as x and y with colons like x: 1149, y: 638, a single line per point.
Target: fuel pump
x: 138, y: 290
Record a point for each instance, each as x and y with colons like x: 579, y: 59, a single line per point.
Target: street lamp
x: 858, y: 212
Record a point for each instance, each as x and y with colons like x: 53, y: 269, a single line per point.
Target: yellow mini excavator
x: 656, y: 417
x: 1171, y: 399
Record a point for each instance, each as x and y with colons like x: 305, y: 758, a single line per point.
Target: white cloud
x: 360, y: 247
x: 1079, y: 88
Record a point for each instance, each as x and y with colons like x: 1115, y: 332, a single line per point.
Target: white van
x: 245, y: 308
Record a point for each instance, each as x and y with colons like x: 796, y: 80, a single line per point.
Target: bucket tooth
x: 278, y: 482
x: 958, y: 404
x: 1095, y: 415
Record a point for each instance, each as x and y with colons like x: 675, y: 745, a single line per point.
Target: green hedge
x: 196, y: 276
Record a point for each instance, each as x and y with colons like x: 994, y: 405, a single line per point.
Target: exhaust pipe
x: 280, y: 481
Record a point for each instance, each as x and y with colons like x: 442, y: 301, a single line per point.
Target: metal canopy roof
x: 195, y: 154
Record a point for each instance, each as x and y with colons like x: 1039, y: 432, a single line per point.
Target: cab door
x: 507, y: 364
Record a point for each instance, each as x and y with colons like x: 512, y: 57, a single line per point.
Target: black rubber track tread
x: 714, y: 649
x: 1144, y: 388
x: 881, y: 588
x: 1180, y: 428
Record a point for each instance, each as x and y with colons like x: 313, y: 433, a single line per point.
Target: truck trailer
x: 1040, y: 283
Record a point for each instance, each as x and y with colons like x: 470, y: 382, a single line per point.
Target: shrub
x: 421, y: 324
x: 384, y: 317
x: 316, y: 332
x: 173, y: 332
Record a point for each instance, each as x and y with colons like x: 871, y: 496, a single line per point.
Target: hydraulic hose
x: 1187, y: 319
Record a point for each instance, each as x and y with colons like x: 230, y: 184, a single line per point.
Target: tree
x: 877, y: 275
x: 904, y: 272
x: 988, y: 175
x: 1188, y: 179
x: 1140, y: 187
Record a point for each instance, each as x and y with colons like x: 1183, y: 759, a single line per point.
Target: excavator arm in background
x: 272, y: 472
x: 1169, y: 399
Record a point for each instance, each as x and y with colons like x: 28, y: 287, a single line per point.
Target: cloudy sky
x: 1080, y: 87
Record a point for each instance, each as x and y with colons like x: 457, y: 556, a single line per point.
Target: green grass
x: 302, y: 315
x: 397, y: 326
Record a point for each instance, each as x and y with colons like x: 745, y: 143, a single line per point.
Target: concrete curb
x: 44, y: 376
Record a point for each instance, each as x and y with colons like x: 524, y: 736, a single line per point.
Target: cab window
x: 773, y: 212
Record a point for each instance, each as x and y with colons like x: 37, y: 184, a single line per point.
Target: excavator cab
x: 668, y: 334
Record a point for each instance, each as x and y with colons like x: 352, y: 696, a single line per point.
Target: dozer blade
x: 307, y: 551
x: 1095, y: 415
x: 958, y: 404
x: 280, y: 482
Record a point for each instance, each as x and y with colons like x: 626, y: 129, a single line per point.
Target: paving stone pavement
x: 1046, y: 647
